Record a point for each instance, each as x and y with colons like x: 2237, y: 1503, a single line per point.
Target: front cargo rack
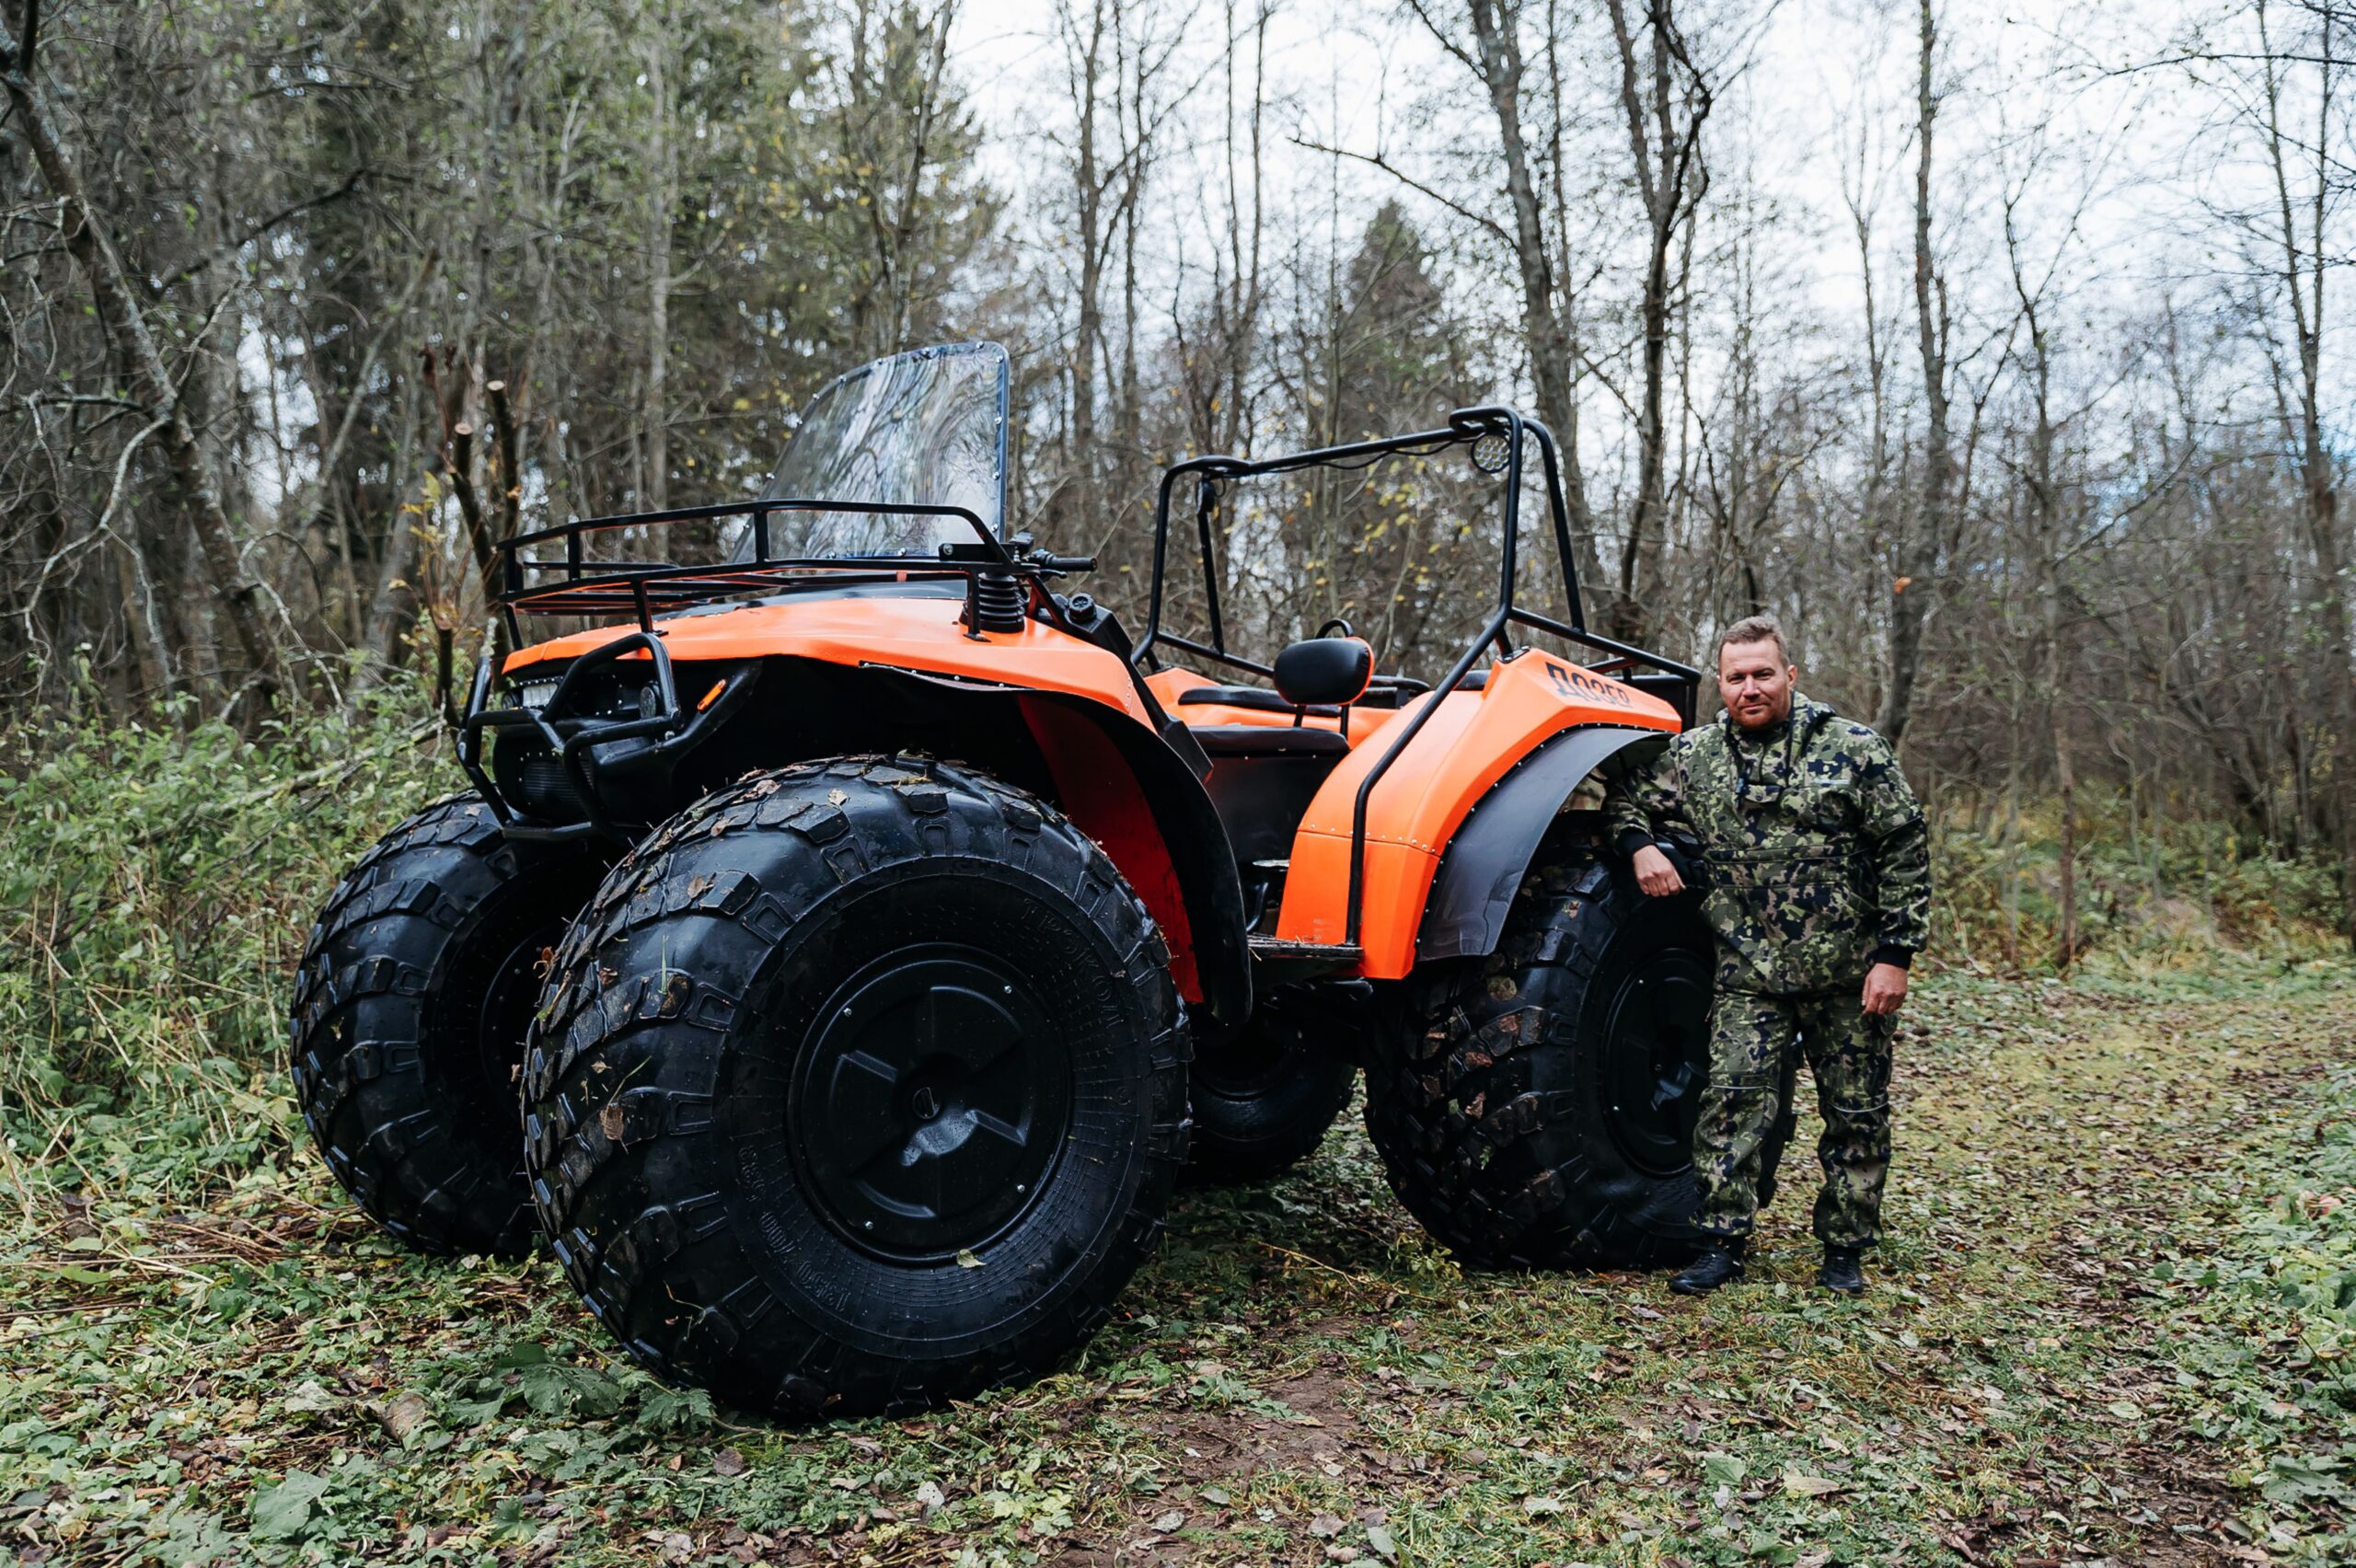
x: 533, y: 581
x: 551, y: 572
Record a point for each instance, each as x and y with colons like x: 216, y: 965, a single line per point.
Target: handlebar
x: 1048, y: 560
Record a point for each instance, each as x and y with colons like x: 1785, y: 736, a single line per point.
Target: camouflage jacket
x: 1815, y: 859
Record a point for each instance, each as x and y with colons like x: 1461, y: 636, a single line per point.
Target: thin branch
x: 1376, y: 160
x: 350, y: 183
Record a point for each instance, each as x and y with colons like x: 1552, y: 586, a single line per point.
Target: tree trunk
x: 2306, y: 260
x: 1499, y: 44
x: 1665, y: 158
x: 1918, y: 542
x: 2065, y: 773
x: 118, y: 307
x: 661, y: 198
x: 1545, y: 322
x: 1088, y: 192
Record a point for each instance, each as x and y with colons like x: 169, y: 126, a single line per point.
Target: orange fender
x: 1462, y: 750
x: 921, y: 634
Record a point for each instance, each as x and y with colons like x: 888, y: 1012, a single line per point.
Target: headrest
x: 1325, y: 669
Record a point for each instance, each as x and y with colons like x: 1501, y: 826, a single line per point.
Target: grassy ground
x: 2108, y: 1324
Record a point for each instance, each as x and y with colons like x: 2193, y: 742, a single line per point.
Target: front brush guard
x: 575, y: 740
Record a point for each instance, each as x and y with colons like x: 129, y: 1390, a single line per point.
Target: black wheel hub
x: 1656, y: 1058
x: 510, y: 994
x: 931, y: 1101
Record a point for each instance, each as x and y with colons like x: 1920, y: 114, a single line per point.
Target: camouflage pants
x: 1751, y: 1039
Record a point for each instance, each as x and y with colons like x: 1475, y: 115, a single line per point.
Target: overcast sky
x: 1806, y: 83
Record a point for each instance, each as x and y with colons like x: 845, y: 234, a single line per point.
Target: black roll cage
x: 1467, y: 428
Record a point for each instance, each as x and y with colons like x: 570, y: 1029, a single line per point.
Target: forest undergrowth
x: 2113, y: 1317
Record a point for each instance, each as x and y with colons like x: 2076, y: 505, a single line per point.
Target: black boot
x: 1841, y: 1271
x: 1720, y: 1264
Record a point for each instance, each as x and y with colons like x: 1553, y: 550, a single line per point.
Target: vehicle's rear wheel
x: 410, y: 1008
x: 860, y: 1086
x: 1263, y: 1095
x: 1536, y: 1109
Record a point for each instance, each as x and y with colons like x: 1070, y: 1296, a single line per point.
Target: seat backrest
x: 1325, y: 669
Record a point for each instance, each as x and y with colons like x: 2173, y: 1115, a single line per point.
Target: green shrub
x: 2194, y: 899
x: 156, y: 887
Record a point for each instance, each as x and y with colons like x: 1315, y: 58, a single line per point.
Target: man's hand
x: 1658, y: 878
x: 1885, y: 989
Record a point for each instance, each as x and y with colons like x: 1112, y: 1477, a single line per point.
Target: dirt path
x: 1298, y: 1380
x: 2005, y: 1395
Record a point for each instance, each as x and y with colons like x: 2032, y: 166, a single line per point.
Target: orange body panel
x: 1467, y: 746
x: 1462, y: 750
x: 898, y: 633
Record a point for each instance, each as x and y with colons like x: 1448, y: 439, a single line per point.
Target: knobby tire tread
x: 362, y: 1002
x: 1488, y: 1163
x: 612, y: 1152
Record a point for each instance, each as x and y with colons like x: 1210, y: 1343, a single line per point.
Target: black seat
x: 1270, y: 739
x: 1264, y: 776
x: 1253, y: 697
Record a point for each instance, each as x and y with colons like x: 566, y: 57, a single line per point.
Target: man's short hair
x: 1754, y: 629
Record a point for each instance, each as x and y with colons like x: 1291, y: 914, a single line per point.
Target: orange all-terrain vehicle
x: 872, y: 932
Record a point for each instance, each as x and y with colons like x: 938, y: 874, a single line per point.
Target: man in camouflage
x: 1817, y: 882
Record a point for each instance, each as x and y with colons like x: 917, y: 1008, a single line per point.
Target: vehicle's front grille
x: 539, y: 783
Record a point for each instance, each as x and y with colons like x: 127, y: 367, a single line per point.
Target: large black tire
x: 1535, y: 1110
x: 1260, y: 1098
x: 860, y: 1086
x: 410, y: 1008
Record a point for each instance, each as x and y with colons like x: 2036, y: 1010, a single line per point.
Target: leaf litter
x: 2112, y: 1319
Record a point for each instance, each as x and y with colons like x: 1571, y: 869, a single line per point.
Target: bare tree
x: 1917, y: 543
x: 152, y: 386
x: 1665, y: 99
x: 2301, y: 233
x: 1548, y: 295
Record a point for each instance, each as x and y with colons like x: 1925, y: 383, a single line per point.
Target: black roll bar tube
x: 1465, y: 427
x: 1206, y: 504
x: 1561, y: 513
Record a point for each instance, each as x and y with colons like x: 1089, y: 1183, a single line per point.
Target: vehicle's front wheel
x: 410, y: 1006
x: 858, y: 1086
x: 1536, y: 1109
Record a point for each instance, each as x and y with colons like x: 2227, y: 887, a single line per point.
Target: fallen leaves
x: 1254, y: 1403
x: 282, y: 1511
x: 308, y: 1398
x: 401, y: 1415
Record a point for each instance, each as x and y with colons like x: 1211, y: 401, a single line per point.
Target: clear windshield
x: 928, y: 427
